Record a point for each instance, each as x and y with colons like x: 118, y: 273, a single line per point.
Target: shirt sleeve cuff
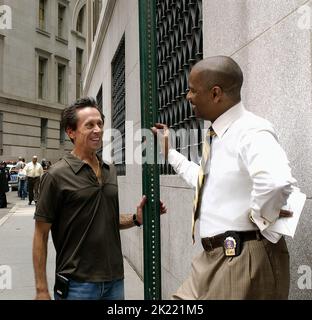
x: 259, y: 221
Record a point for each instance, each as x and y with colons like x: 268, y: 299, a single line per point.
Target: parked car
x: 13, y: 176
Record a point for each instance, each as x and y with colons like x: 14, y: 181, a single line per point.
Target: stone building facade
x: 42, y: 57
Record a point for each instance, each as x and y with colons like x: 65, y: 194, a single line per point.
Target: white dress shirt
x: 33, y: 170
x: 249, y: 178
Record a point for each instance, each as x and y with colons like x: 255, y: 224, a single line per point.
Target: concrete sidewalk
x: 16, y: 234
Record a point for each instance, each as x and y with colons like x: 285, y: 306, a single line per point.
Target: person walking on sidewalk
x: 242, y: 183
x: 22, y: 183
x: 33, y: 171
x: 79, y: 203
x: 4, y: 186
x: 20, y: 165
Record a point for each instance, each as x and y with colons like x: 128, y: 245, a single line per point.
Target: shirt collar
x: 76, y: 164
x: 222, y: 124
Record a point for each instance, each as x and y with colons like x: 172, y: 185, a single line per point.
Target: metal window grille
x: 99, y: 98
x: 99, y: 102
x: 119, y: 108
x: 179, y: 47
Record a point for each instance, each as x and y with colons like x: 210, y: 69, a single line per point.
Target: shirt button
x: 264, y: 222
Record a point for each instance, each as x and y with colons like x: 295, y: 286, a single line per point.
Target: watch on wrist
x: 135, y: 221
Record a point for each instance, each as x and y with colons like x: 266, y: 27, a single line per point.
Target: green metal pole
x: 151, y: 218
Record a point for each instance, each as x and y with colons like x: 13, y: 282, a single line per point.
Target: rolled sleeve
x: 188, y: 170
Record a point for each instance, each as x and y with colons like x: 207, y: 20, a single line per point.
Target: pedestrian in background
x: 4, y: 186
x: 33, y: 171
x: 20, y: 165
x: 22, y: 182
x: 46, y: 164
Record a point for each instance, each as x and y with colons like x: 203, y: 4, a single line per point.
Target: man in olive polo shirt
x: 79, y: 203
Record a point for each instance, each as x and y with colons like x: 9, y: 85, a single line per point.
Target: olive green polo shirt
x: 85, y: 219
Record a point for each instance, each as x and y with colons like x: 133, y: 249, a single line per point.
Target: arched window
x: 80, y: 20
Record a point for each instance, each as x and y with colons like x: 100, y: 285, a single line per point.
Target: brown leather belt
x: 218, y: 241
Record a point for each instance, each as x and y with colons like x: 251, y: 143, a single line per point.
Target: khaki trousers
x: 261, y: 271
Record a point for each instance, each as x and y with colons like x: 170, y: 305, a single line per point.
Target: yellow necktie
x: 201, y: 178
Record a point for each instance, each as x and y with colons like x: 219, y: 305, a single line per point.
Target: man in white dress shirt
x: 33, y: 171
x: 247, y: 182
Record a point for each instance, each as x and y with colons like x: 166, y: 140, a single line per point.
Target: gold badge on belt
x: 229, y: 247
x: 232, y: 244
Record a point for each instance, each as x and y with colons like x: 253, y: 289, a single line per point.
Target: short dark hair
x: 224, y: 72
x: 69, y: 114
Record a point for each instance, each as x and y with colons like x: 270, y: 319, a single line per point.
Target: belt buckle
x: 231, y: 244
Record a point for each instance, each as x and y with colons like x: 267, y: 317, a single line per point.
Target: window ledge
x: 64, y: 41
x: 78, y: 34
x: 65, y: 2
x: 42, y: 100
x: 60, y: 104
x: 43, y: 32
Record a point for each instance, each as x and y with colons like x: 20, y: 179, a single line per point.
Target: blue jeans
x: 22, y: 189
x: 108, y: 290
